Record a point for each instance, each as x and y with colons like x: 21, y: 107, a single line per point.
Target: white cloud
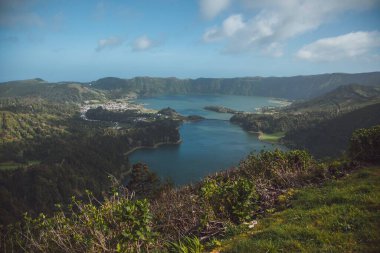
x: 233, y: 24
x: 274, y: 49
x: 211, y: 8
x: 230, y: 26
x: 350, y: 45
x: 109, y: 43
x: 143, y: 43
x: 273, y: 22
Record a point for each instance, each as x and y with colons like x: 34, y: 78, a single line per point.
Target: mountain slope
x: 321, y: 125
x: 343, y: 98
x: 57, y: 92
x: 305, y: 114
x: 296, y: 87
x: 330, y: 137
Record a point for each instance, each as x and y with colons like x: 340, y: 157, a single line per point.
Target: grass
x: 341, y: 216
x: 275, y: 137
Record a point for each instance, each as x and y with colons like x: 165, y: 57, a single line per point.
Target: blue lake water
x: 207, y: 146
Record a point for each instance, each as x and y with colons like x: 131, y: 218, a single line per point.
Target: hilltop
x: 54, y: 92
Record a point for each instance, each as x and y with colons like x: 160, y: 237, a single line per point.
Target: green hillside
x: 339, y: 216
x: 342, y: 99
x: 331, y: 137
x: 321, y: 125
x: 296, y: 87
x: 48, y: 153
x: 57, y: 92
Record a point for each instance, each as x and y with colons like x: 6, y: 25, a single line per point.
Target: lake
x: 207, y: 146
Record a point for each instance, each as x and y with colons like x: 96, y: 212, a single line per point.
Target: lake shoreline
x: 208, y: 145
x: 152, y: 147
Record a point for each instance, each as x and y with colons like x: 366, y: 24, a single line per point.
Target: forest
x: 322, y: 125
x: 48, y: 153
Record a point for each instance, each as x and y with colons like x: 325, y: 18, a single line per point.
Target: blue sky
x: 61, y: 40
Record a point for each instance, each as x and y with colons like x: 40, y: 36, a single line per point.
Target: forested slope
x: 331, y: 137
x: 57, y: 92
x: 296, y: 87
x: 321, y: 125
x: 48, y: 153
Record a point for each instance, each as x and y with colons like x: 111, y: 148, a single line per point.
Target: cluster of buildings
x: 112, y: 105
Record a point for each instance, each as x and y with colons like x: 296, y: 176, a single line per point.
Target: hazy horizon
x: 184, y: 78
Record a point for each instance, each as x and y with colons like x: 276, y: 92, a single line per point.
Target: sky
x: 67, y: 40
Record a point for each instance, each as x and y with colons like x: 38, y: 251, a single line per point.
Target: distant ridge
x: 344, y: 98
x: 58, y: 92
x: 296, y: 87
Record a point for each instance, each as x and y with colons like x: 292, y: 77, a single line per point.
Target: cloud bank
x: 267, y: 25
x: 350, y: 45
x: 211, y: 8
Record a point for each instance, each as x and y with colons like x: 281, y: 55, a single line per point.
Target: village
x: 116, y: 105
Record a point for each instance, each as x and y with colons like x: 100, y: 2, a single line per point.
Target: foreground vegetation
x: 149, y: 216
x: 339, y: 216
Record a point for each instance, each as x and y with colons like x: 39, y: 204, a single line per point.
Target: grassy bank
x: 340, y: 216
x: 273, y: 138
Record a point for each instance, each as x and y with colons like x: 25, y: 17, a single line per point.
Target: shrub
x: 280, y: 168
x: 177, y: 212
x: 186, y: 245
x: 119, y: 224
x: 365, y: 145
x: 143, y: 182
x: 234, y: 199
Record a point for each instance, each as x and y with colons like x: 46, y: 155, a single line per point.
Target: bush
x: 119, y: 224
x: 279, y: 168
x: 365, y: 145
x: 143, y: 182
x: 230, y: 199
